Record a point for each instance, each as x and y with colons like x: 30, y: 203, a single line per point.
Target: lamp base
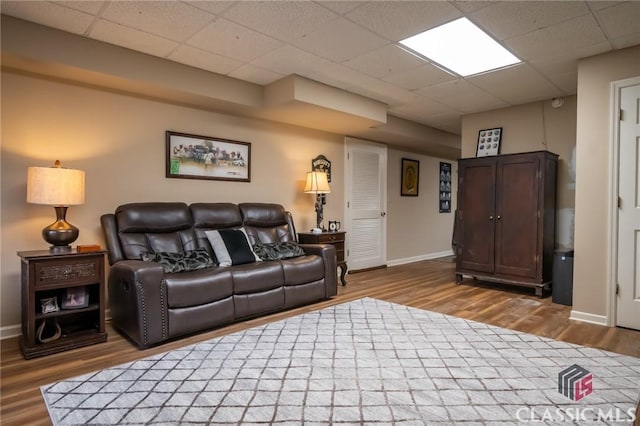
x: 60, y: 234
x: 319, y: 207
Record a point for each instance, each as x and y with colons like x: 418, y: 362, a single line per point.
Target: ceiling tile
x: 169, y: 19
x: 415, y: 78
x: 290, y: 60
x: 561, y: 39
x: 620, y: 20
x: 256, y: 75
x: 509, y: 19
x: 626, y: 41
x: 462, y: 96
x: 422, y: 108
x: 284, y: 20
x: 233, y: 41
x: 397, y: 20
x: 92, y: 7
x: 204, y: 60
x: 387, y: 60
x: 216, y: 7
x: 471, y: 5
x: 339, y: 40
x: 516, y: 85
x: 49, y: 14
x: 599, y: 5
x: 382, y: 91
x: 132, y: 39
x: 341, y: 7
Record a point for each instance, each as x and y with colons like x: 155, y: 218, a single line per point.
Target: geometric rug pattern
x: 362, y: 362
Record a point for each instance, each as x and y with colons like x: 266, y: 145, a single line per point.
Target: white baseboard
x: 590, y: 318
x: 430, y: 256
x: 9, y: 331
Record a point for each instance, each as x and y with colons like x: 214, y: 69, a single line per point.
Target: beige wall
x: 533, y: 127
x: 593, y: 161
x: 415, y: 228
x: 119, y: 141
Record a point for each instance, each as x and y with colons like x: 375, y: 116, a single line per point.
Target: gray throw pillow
x: 231, y: 247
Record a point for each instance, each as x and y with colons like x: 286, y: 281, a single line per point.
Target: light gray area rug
x: 363, y: 362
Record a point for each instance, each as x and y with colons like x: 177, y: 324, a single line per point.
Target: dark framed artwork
x: 410, y: 178
x: 489, y: 142
x: 203, y: 157
x: 444, y: 189
x: 322, y: 164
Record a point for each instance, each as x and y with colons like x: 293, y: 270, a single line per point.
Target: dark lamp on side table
x: 60, y: 188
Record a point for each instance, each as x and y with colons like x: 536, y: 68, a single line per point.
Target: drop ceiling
x: 352, y: 45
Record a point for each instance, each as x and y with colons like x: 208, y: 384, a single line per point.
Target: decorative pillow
x: 277, y: 251
x: 171, y: 262
x: 191, y: 260
x: 231, y: 247
x: 197, y: 259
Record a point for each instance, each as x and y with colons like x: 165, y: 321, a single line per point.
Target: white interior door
x: 628, y: 303
x: 366, y: 204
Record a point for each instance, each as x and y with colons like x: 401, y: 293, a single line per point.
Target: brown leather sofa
x: 151, y: 306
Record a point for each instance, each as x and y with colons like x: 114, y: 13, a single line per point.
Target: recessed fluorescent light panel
x: 461, y: 47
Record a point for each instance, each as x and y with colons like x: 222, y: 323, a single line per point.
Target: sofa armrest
x: 328, y: 254
x: 138, y: 301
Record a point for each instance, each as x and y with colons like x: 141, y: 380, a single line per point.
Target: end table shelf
x: 73, y: 283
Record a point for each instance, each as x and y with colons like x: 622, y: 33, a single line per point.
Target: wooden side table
x: 63, y: 301
x: 334, y: 238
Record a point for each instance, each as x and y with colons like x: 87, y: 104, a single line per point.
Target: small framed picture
x: 489, y: 142
x: 50, y: 304
x: 75, y: 298
x: 410, y: 178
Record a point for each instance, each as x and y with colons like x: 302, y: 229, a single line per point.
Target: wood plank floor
x: 427, y: 285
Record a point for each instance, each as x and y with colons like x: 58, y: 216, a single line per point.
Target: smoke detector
x: 557, y: 102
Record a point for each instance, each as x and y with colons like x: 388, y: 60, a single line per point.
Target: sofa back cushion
x: 154, y: 227
x: 267, y: 223
x: 213, y: 216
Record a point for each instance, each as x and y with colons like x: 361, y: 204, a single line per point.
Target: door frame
x: 614, y: 169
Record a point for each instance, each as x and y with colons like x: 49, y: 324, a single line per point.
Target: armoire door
x: 476, y: 204
x: 518, y: 216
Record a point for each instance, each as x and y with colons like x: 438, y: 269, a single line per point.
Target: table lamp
x: 60, y: 188
x: 318, y: 184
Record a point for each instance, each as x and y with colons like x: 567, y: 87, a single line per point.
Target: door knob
x: 499, y: 217
x: 383, y: 214
x: 490, y: 217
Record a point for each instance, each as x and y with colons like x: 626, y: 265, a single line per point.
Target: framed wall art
x: 489, y: 142
x: 444, y: 197
x: 409, y: 178
x: 203, y: 157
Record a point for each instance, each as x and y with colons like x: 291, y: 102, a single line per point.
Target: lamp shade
x: 317, y: 183
x: 55, y: 186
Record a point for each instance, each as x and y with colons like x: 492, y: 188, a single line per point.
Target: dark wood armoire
x: 505, y: 222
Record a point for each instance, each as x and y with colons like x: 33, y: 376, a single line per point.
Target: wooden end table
x: 334, y: 238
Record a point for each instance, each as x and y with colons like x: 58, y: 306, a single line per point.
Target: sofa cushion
x: 193, y: 288
x: 231, y: 247
x: 256, y: 277
x: 277, y: 251
x: 304, y: 269
x: 191, y: 260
